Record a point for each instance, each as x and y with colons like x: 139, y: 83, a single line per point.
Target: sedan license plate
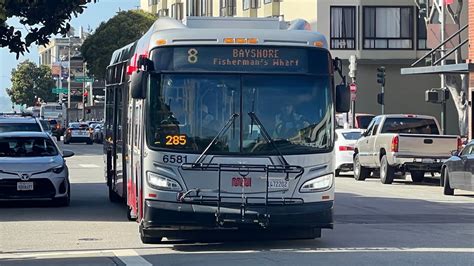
x: 278, y: 183
x: 24, y: 186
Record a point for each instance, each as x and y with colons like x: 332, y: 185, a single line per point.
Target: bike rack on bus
x: 194, y: 195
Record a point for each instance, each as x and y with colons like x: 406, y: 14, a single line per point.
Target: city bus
x: 224, y: 124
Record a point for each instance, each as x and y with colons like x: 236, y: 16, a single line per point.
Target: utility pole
x: 69, y: 76
x: 353, y: 87
x: 442, y: 6
x: 84, y: 96
x: 381, y: 81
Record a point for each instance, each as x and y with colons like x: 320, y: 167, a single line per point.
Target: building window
x: 343, y: 27
x: 228, y: 8
x: 421, y: 34
x: 206, y: 8
x: 152, y: 2
x: 388, y: 27
x: 267, y: 1
x: 177, y: 11
x: 254, y: 4
x: 192, y: 8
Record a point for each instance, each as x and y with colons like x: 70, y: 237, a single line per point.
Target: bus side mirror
x: 138, y: 84
x: 343, y: 99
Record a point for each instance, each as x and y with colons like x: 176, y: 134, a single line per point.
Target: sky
x: 91, y: 17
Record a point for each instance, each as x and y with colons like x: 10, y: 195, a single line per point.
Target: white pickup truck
x: 402, y: 143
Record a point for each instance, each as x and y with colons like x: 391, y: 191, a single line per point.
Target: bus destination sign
x: 244, y: 59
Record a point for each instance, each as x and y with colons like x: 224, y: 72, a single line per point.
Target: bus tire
x: 387, y: 172
x: 113, y: 197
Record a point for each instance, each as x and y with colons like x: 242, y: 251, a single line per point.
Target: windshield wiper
x: 267, y: 137
x: 214, y: 140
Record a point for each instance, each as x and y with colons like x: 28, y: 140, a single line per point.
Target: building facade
x: 378, y: 33
x: 63, y: 53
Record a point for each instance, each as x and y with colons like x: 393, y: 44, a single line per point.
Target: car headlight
x: 161, y: 182
x: 58, y: 169
x: 317, y: 184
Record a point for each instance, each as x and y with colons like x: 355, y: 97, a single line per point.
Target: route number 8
x: 192, y: 56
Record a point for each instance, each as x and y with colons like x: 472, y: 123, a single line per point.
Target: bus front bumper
x: 169, y: 216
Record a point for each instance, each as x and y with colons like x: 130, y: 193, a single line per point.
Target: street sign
x: 59, y: 90
x: 353, y: 89
x: 83, y: 79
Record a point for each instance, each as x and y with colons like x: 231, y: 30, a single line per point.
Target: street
x: 402, y: 224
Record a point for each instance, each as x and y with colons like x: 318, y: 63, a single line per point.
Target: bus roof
x: 213, y: 31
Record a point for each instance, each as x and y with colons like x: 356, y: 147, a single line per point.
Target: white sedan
x: 345, y: 144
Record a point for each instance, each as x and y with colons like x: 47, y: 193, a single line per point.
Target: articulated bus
x: 223, y: 124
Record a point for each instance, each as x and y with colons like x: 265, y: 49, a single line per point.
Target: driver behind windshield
x: 288, y: 123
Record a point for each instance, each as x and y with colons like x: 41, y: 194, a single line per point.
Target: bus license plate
x: 278, y: 184
x: 24, y: 186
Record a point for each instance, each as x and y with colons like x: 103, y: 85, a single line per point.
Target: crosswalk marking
x: 130, y: 257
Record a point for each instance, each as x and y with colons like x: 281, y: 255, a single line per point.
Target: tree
x: 41, y: 19
x: 28, y: 81
x: 456, y: 83
x: 122, y: 29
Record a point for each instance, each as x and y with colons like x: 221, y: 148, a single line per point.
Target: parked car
x: 344, y: 147
x: 78, y: 132
x: 402, y: 143
x: 458, y: 171
x: 98, y: 135
x: 19, y: 122
x: 33, y: 167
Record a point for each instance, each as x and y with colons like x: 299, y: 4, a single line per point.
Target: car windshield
x: 187, y: 111
x: 12, y: 127
x: 353, y: 135
x: 27, y: 147
x: 410, y: 125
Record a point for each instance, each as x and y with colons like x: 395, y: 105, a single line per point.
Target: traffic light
x: 380, y: 98
x: 381, y: 75
x: 437, y: 95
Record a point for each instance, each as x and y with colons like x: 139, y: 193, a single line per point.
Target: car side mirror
x: 343, y: 99
x: 67, y: 153
x: 139, y: 84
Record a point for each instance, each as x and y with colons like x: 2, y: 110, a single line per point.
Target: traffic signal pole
x: 383, y: 98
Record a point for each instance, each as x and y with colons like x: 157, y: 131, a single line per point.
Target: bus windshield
x: 186, y: 111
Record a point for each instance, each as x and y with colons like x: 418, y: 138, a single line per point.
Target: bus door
x: 129, y: 158
x: 137, y: 163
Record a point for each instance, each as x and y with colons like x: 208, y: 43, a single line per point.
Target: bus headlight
x: 317, y: 184
x: 160, y: 182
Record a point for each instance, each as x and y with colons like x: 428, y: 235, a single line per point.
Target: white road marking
x: 130, y: 257
x: 89, y: 166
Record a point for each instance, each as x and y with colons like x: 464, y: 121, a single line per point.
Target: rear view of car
x: 32, y: 167
x: 345, y: 145
x: 78, y: 132
x: 17, y: 123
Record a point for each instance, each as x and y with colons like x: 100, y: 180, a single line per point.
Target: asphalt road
x: 398, y: 224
